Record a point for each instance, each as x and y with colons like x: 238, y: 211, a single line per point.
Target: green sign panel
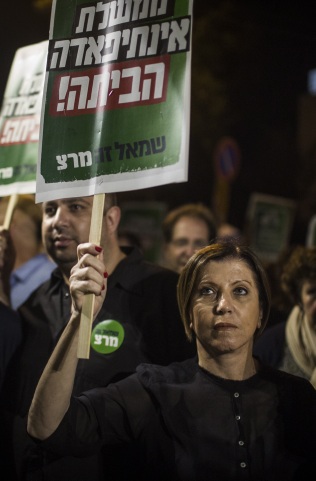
x: 117, y: 97
x: 20, y: 120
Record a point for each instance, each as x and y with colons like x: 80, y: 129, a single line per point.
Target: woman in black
x: 222, y: 416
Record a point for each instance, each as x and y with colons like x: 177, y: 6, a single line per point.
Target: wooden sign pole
x: 88, y: 302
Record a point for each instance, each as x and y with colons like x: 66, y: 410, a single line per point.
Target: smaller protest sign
x: 269, y: 223
x: 20, y: 120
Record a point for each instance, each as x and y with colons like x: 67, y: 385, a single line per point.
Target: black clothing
x: 272, y: 349
x: 141, y: 299
x: 189, y: 425
x: 10, y: 337
x: 269, y: 347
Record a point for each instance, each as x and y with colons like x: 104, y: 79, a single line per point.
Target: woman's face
x: 308, y: 299
x: 225, y: 307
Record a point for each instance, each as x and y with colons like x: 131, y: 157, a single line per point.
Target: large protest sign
x: 117, y: 97
x: 116, y: 105
x: 20, y: 120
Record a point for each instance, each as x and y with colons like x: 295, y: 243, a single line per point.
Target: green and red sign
x: 117, y: 97
x: 20, y: 120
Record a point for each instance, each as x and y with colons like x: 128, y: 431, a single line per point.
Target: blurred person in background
x: 229, y: 231
x: 291, y: 345
x: 186, y: 229
x: 32, y: 265
x: 128, y: 238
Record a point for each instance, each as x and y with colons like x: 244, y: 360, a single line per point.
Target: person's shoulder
x: 273, y: 336
x: 273, y: 331
x: 8, y: 312
x: 40, y: 293
x: 42, y: 262
x: 296, y: 384
x: 9, y: 319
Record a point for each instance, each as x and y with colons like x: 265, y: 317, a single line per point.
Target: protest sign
x: 117, y: 97
x: 20, y: 120
x: 116, y: 105
x: 269, y: 221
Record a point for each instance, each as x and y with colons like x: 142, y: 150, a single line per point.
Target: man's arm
x: 52, y: 396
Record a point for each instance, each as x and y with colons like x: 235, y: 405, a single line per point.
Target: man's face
x: 66, y: 224
x: 189, y: 235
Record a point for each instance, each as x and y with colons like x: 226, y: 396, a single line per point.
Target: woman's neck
x: 233, y: 366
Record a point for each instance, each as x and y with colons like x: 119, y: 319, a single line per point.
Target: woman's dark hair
x: 218, y: 251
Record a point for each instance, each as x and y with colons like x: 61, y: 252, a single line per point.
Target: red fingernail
x: 106, y: 275
x: 103, y: 287
x: 98, y: 248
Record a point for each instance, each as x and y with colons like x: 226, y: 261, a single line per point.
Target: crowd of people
x: 186, y: 378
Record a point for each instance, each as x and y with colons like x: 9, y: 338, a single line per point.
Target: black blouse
x: 186, y: 424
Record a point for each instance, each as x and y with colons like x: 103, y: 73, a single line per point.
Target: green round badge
x: 107, y: 336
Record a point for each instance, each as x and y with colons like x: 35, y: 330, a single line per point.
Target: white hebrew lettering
x: 100, y: 90
x: 93, y: 54
x: 61, y: 161
x: 134, y: 94
x: 106, y: 9
x: 83, y: 83
x: 143, y: 33
x: 112, y: 43
x: 6, y: 173
x: 98, y: 339
x: 62, y: 45
x: 74, y: 156
x: 177, y: 35
x: 81, y: 44
x: 85, y: 159
x: 159, y: 70
x: 86, y: 19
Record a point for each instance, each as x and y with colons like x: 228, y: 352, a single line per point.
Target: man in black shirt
x: 139, y: 322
